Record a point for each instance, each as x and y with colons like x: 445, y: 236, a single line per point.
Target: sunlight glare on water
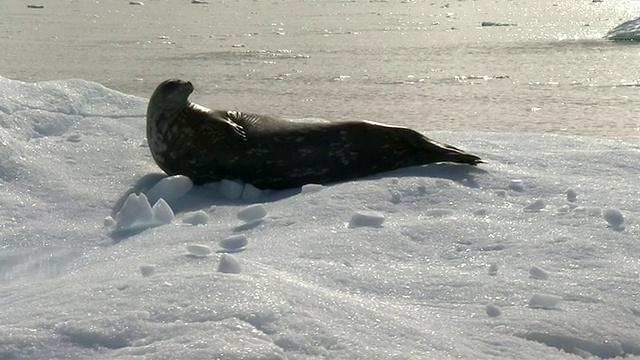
x: 424, y: 64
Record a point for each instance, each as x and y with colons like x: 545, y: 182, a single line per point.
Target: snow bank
x: 440, y: 262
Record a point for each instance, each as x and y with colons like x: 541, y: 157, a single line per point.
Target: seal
x: 273, y: 153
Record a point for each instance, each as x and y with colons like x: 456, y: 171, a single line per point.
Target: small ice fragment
x: 170, y: 188
x: 162, y: 212
x: 516, y: 185
x: 229, y: 264
x: 614, y: 218
x: 135, y: 213
x: 594, y: 211
x: 493, y: 269
x: 251, y: 193
x: 110, y: 224
x: 571, y: 195
x: 492, y: 310
x: 199, y: 217
x: 147, y: 270
x: 544, y: 301
x: 501, y: 193
x: 538, y: 273
x: 535, y: 206
x: 481, y: 212
x: 443, y: 183
x: 136, y: 3
x: 366, y: 218
x: 230, y: 190
x: 439, y: 212
x: 252, y: 213
x: 396, y: 198
x: 234, y: 242
x: 310, y: 188
x: 199, y: 250
x: 74, y: 138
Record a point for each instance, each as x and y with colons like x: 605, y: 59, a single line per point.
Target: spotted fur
x: 271, y: 153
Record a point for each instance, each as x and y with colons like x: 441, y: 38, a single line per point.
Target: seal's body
x: 271, y: 153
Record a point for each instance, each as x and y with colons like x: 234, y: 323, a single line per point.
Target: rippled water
x: 425, y: 64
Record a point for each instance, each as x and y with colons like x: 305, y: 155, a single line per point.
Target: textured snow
x: 424, y: 285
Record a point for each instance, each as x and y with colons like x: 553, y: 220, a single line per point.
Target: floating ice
x: 199, y: 217
x: 544, y: 301
x: 170, y: 188
x: 493, y: 23
x: 572, y: 196
x: 147, y: 270
x: 252, y: 213
x: 234, y: 243
x: 366, y: 218
x: 614, y: 218
x: 492, y: 310
x: 199, y: 250
x: 538, y: 273
x: 229, y: 264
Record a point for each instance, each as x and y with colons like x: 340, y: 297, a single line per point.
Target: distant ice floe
x: 628, y: 30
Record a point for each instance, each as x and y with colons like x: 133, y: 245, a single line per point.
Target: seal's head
x: 170, y: 96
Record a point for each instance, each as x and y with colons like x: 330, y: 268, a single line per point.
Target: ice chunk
x: 366, y: 218
x: 199, y: 217
x: 544, y: 301
x: 252, y: 213
x: 229, y: 264
x: 199, y: 250
x: 170, y: 188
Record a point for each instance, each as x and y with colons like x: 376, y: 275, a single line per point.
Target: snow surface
x: 467, y: 262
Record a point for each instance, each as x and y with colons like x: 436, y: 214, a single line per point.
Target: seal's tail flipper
x: 431, y: 151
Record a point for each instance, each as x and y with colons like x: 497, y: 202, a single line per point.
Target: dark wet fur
x: 274, y: 153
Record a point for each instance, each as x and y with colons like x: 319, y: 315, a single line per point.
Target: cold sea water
x: 427, y: 64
